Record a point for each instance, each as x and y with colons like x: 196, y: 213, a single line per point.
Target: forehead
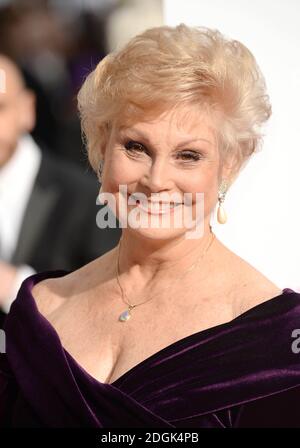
x: 175, y: 124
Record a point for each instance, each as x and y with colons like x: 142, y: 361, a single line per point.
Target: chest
x: 107, y: 348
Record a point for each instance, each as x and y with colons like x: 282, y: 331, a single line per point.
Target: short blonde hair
x: 168, y: 66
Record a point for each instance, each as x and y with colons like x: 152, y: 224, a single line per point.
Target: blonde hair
x: 168, y: 66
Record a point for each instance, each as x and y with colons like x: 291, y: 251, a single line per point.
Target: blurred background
x: 57, y: 43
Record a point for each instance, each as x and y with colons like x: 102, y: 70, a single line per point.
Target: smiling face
x: 170, y: 156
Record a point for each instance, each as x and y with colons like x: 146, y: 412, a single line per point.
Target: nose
x: 157, y: 177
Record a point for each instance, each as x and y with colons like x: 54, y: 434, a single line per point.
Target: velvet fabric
x: 242, y: 373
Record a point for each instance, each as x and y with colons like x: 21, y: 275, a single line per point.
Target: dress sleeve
x: 280, y: 410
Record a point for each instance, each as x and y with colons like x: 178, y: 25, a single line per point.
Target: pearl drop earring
x: 221, y: 214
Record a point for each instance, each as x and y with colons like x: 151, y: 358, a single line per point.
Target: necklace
x: 125, y: 315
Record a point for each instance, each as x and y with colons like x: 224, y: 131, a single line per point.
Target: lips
x: 155, y: 207
x: 154, y: 203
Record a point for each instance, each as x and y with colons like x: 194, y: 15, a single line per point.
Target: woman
x: 167, y: 329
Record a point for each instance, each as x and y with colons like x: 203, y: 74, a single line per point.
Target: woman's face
x: 166, y: 158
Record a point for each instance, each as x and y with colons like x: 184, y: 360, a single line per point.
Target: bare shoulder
x: 255, y: 288
x: 50, y: 294
x: 250, y: 286
x: 53, y: 294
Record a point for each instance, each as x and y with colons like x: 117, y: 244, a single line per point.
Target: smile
x: 156, y: 207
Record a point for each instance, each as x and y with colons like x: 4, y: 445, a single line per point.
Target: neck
x: 144, y: 262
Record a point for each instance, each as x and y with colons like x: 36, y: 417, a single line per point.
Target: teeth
x: 161, y: 205
x: 157, y: 207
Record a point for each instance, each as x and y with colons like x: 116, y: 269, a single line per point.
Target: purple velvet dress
x: 243, y: 373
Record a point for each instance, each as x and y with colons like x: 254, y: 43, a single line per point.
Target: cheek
x: 115, y: 172
x: 204, y: 182
x: 121, y: 169
x: 8, y: 126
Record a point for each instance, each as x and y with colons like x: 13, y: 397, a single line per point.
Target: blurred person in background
x: 55, y: 52
x: 33, y: 36
x: 47, y: 206
x: 57, y: 44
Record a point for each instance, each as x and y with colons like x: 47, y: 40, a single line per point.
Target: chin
x: 157, y: 234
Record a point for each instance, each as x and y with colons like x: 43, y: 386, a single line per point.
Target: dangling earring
x: 221, y: 214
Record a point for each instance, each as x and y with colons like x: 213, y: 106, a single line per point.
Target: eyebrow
x: 146, y: 138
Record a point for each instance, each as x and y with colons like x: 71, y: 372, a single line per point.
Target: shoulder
x: 49, y: 294
x: 247, y: 286
x: 52, y: 294
x: 255, y: 288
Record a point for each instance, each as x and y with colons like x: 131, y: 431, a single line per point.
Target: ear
x: 27, y: 114
x: 228, y: 169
